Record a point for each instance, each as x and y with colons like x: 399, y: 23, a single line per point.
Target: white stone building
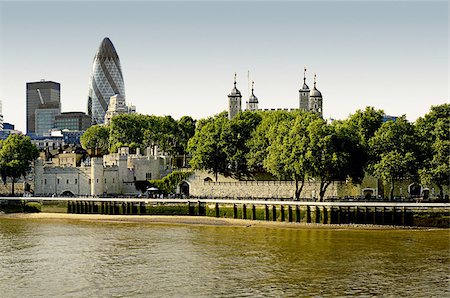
x: 112, y: 174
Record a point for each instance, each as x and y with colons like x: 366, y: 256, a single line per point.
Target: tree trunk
x: 392, y: 190
x: 441, y: 191
x: 298, y: 190
x: 323, y: 188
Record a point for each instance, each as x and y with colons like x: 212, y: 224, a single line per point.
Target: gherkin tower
x: 106, y: 80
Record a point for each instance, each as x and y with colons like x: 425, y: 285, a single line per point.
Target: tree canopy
x: 16, y: 155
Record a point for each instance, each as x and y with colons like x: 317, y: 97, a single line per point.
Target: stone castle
x: 309, y: 100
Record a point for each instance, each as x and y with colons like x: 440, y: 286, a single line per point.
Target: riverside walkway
x: 347, y: 212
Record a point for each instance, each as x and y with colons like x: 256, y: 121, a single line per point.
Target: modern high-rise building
x: 106, y: 80
x: 1, y: 116
x: 75, y: 121
x: 41, y: 95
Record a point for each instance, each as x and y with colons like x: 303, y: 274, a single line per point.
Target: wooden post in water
x: 297, y: 213
x: 253, y: 212
x: 403, y: 216
x: 357, y: 215
x: 383, y: 217
x: 266, y: 212
x: 274, y: 213
x: 339, y: 215
x: 324, y: 215
x: 216, y: 208
x: 308, y: 214
x: 244, y: 211
x: 317, y: 213
x: 282, y: 213
x: 234, y: 211
x: 289, y: 213
x: 374, y: 215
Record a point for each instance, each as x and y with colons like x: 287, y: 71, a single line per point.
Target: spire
x: 304, y: 75
x: 253, y: 83
x: 235, y: 80
x: 314, y: 80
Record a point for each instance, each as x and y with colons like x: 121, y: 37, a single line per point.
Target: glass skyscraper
x: 106, y: 80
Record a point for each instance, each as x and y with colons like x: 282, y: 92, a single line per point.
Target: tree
x: 186, y: 130
x: 208, y: 145
x: 437, y: 170
x: 239, y: 132
x: 262, y: 137
x: 286, y: 156
x: 363, y: 125
x: 96, y: 140
x: 333, y: 154
x: 394, y: 139
x: 16, y: 155
x: 433, y: 131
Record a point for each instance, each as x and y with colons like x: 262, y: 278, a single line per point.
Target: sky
x: 179, y: 58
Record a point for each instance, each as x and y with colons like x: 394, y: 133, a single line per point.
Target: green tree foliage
x: 169, y: 183
x: 333, y: 154
x: 186, y: 130
x: 96, y: 140
x: 394, y: 139
x: 209, y: 145
x: 263, y: 136
x: 363, y: 125
x: 394, y: 165
x: 16, y: 155
x: 433, y: 131
x: 287, y: 154
x: 239, y: 133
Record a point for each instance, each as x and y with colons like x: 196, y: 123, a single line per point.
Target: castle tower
x: 304, y: 94
x: 234, y: 101
x: 315, y: 100
x: 252, y: 103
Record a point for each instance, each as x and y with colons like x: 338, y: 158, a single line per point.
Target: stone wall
x: 227, y: 187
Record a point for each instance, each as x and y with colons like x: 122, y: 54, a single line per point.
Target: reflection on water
x: 84, y: 259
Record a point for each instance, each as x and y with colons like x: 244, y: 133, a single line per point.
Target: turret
x: 304, y: 94
x: 234, y: 101
x: 252, y: 103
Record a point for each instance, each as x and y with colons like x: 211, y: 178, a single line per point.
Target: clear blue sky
x: 178, y: 58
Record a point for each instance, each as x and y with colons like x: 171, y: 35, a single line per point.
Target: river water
x: 55, y: 258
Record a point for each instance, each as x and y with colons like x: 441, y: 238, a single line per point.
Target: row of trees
x: 136, y: 130
x: 299, y: 146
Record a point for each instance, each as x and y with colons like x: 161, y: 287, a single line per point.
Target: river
x: 56, y: 258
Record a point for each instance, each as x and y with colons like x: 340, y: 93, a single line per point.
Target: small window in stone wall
x: 105, y: 180
x: 148, y: 175
x: 45, y: 181
x: 58, y: 181
x: 97, y: 180
x: 113, y: 180
x: 90, y: 181
x: 76, y: 181
x: 67, y: 181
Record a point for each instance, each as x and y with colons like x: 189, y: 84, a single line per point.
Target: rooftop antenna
x: 248, y: 84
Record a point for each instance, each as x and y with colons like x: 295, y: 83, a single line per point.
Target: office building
x: 41, y: 95
x: 106, y: 80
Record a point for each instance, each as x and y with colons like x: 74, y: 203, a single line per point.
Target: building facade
x: 106, y: 80
x: 75, y: 121
x: 116, y: 107
x: 45, y: 116
x: 39, y: 96
x: 112, y: 174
